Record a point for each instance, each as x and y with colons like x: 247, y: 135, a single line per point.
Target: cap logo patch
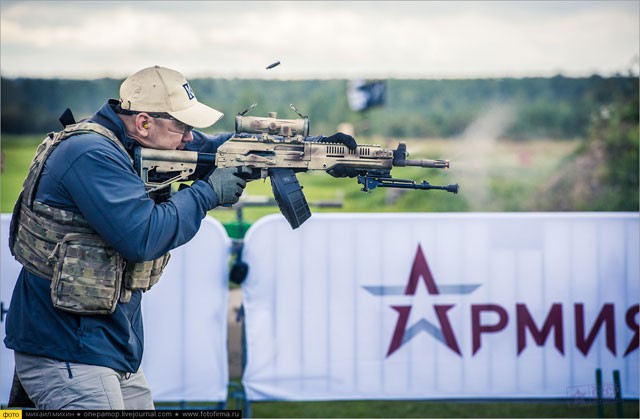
x: 187, y: 88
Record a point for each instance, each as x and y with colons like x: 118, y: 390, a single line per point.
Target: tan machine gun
x: 278, y: 148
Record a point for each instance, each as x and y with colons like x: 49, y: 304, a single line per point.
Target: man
x: 91, y: 241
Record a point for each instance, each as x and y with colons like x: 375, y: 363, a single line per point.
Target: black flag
x: 365, y: 94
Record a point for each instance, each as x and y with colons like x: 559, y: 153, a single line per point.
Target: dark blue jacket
x: 90, y: 175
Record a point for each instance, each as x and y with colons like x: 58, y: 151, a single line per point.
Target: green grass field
x: 437, y: 409
x: 496, y: 176
x: 427, y: 409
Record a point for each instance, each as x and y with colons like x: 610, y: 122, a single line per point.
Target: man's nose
x: 187, y: 137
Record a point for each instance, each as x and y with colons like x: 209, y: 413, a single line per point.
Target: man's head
x: 159, y: 108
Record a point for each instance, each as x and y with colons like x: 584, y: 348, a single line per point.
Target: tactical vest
x: 87, y: 275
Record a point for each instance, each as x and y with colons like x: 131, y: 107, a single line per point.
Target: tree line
x: 556, y: 107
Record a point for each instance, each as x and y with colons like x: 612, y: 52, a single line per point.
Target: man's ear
x: 142, y: 124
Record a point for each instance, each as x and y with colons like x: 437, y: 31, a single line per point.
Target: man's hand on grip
x: 228, y: 183
x: 340, y: 138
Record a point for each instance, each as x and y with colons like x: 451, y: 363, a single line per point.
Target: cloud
x: 116, y: 29
x: 319, y: 39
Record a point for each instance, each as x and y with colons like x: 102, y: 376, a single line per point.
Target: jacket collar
x: 107, y: 117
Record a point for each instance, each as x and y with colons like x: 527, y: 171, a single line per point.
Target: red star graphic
x: 419, y: 270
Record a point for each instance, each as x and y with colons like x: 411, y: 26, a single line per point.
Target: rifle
x: 276, y: 148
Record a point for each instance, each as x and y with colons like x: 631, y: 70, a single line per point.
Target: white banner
x: 428, y: 306
x: 185, y: 319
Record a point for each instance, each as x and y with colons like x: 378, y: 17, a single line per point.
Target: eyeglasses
x: 181, y: 127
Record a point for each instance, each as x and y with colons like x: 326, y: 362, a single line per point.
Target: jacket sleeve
x: 108, y: 193
x: 205, y: 143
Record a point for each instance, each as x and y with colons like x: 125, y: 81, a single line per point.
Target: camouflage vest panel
x: 88, y: 276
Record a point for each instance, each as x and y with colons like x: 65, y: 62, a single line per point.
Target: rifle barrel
x: 436, y: 164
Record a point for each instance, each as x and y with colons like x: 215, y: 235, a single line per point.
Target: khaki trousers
x: 55, y: 385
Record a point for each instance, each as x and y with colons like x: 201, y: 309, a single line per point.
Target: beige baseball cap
x: 159, y: 89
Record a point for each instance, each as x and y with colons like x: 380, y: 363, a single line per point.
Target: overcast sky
x: 373, y: 39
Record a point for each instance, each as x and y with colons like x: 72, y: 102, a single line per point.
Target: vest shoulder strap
x: 50, y: 143
x: 87, y: 127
